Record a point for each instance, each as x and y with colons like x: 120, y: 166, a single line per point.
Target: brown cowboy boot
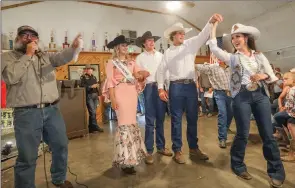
x: 65, y: 184
x: 149, y: 159
x: 291, y: 155
x: 199, y: 154
x: 179, y: 158
x: 165, y: 152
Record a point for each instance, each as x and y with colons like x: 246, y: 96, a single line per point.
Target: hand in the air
x: 77, y: 41
x: 216, y: 18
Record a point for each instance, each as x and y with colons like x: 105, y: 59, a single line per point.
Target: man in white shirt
x: 179, y: 60
x: 150, y: 60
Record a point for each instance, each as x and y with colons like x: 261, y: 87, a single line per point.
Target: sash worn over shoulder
x: 124, y: 70
x: 128, y: 78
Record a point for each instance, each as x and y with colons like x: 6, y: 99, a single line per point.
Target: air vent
x: 130, y: 35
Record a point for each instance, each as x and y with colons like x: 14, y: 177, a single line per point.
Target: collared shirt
x: 180, y: 60
x: 218, y: 76
x: 25, y: 82
x: 150, y: 62
x: 87, y: 81
x: 252, y: 64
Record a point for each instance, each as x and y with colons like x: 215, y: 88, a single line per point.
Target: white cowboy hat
x: 175, y: 27
x: 240, y: 28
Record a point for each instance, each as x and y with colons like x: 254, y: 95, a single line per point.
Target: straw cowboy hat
x: 147, y: 35
x: 175, y: 27
x: 240, y: 28
x: 118, y: 40
x: 88, y: 66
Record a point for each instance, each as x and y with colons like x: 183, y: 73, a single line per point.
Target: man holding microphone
x: 32, y: 91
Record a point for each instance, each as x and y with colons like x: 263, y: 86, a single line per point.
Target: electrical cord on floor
x: 40, y: 55
x: 76, y: 176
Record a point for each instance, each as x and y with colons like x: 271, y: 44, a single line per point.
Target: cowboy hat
x: 147, y: 35
x: 88, y: 66
x: 118, y: 40
x: 240, y: 28
x: 175, y: 27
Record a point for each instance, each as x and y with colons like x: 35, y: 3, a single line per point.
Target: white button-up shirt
x: 150, y: 62
x: 180, y: 60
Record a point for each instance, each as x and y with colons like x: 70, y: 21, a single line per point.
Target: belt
x: 183, y: 81
x: 152, y: 83
x: 43, y: 105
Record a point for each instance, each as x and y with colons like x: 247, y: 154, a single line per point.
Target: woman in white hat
x: 251, y: 72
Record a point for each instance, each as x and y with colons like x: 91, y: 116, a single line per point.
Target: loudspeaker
x: 73, y: 108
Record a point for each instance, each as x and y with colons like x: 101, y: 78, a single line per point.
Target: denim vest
x: 237, y: 72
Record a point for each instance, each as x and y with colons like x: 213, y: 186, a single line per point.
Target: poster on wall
x: 76, y: 71
x: 6, y: 118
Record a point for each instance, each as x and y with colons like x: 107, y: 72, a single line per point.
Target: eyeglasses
x: 27, y: 35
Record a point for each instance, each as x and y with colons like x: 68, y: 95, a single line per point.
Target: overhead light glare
x: 173, y: 5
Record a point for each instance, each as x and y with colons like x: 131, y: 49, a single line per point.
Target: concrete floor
x: 91, y: 157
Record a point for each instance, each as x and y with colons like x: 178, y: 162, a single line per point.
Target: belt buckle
x: 41, y: 105
x: 186, y: 81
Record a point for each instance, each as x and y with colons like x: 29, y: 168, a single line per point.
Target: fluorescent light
x: 173, y: 5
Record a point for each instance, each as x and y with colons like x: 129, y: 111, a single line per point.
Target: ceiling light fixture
x: 173, y: 5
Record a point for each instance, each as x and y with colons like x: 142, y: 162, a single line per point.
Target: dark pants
x: 155, y: 110
x: 281, y: 119
x: 30, y: 126
x: 91, y: 103
x: 204, y: 104
x: 183, y: 97
x: 259, y: 103
x: 225, y: 115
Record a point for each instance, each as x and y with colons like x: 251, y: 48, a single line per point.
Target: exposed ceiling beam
x: 142, y: 10
x: 110, y: 5
x: 19, y: 5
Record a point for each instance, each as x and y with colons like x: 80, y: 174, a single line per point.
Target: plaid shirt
x: 218, y: 76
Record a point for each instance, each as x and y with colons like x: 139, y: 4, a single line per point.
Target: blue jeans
x: 91, y: 103
x: 154, y: 118
x: 204, y: 105
x: 281, y: 119
x: 183, y: 97
x: 259, y: 103
x: 30, y: 126
x: 225, y: 115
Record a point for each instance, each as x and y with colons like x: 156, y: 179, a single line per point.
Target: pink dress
x: 129, y: 148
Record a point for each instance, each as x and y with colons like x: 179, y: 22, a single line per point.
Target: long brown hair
x: 251, y: 45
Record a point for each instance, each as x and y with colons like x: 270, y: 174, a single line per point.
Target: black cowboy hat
x: 118, y: 40
x: 147, y: 35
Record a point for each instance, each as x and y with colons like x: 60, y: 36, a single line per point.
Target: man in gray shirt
x: 32, y: 91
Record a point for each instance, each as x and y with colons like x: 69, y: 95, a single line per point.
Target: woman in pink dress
x: 124, y: 82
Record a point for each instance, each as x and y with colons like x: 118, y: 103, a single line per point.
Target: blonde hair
x: 116, y: 53
x: 291, y: 75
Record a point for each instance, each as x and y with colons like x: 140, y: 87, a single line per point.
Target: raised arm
x: 62, y: 58
x: 14, y: 69
x: 219, y: 53
x: 67, y: 55
x: 195, y: 43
